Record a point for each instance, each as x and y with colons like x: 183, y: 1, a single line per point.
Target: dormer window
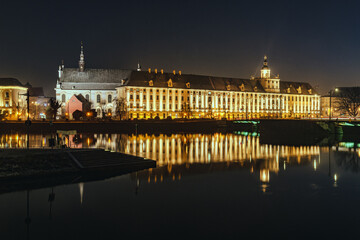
x: 188, y: 85
x: 299, y: 90
x: 255, y: 88
x: 288, y: 90
x: 242, y: 87
x: 228, y: 87
x: 310, y: 91
x: 170, y: 83
x: 151, y: 83
x: 122, y: 81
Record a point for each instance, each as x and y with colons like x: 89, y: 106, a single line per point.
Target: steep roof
x: 81, y: 98
x: 93, y: 79
x: 109, y: 79
x: 10, y: 82
x: 142, y: 78
x: 73, y: 75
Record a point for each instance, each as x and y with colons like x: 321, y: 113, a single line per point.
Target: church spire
x: 82, y: 61
x: 138, y: 66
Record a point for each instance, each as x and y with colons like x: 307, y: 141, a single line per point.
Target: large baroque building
x: 152, y: 93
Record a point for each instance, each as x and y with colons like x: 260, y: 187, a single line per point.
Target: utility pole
x: 28, y: 122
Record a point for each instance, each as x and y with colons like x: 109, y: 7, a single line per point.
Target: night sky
x: 311, y: 41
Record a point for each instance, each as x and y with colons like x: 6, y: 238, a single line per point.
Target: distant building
x: 153, y: 93
x: 12, y: 101
x: 39, y: 103
x: 339, y: 108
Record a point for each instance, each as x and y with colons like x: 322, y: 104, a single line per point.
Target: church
x: 153, y: 93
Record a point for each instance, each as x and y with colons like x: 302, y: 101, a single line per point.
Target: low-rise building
x: 77, y: 103
x: 12, y: 99
x: 342, y: 102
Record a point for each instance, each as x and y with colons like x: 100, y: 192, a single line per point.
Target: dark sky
x: 312, y: 41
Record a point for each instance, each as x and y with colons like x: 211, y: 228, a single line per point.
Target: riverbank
x: 135, y: 126
x: 36, y: 168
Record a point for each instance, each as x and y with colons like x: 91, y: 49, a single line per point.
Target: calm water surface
x: 215, y: 186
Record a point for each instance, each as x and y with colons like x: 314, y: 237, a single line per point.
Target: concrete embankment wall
x: 297, y: 132
x: 117, y: 126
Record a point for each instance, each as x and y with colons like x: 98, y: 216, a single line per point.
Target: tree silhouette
x: 53, y: 108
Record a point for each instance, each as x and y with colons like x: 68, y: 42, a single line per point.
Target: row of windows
x: 292, y: 98
x: 240, y: 107
x: 239, y: 95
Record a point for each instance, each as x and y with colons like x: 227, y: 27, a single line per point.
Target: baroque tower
x: 82, y: 61
x: 265, y: 70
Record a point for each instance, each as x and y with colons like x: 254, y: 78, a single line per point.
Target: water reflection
x: 183, y: 154
x: 301, y: 180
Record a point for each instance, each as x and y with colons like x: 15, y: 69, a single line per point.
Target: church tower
x: 82, y: 61
x: 265, y: 70
x: 270, y: 84
x: 138, y: 67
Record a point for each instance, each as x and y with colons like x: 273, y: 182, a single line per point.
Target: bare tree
x: 348, y: 101
x: 120, y: 106
x: 53, y: 108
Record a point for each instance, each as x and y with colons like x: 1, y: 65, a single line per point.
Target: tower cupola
x: 265, y: 70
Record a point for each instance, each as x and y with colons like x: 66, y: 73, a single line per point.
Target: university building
x: 153, y: 93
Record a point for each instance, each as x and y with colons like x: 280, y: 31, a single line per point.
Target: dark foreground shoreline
x: 24, y: 169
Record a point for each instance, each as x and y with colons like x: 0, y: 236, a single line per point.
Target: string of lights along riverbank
x: 154, y: 93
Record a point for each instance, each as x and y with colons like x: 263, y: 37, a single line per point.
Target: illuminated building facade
x: 12, y: 100
x: 153, y: 93
x: 97, y: 86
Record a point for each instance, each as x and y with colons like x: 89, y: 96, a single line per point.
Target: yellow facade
x: 263, y: 97
x: 13, y: 102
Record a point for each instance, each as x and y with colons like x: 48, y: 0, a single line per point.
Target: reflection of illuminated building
x: 182, y: 154
x: 265, y: 175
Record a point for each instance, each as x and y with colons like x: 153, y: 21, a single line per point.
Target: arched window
x: 109, y: 110
x: 87, y: 97
x: 63, y: 98
x: 109, y: 98
x: 98, y: 98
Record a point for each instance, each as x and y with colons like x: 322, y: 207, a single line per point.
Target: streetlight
x: 330, y: 93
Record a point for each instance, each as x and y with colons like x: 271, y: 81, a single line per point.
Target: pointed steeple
x: 82, y: 60
x: 138, y: 66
